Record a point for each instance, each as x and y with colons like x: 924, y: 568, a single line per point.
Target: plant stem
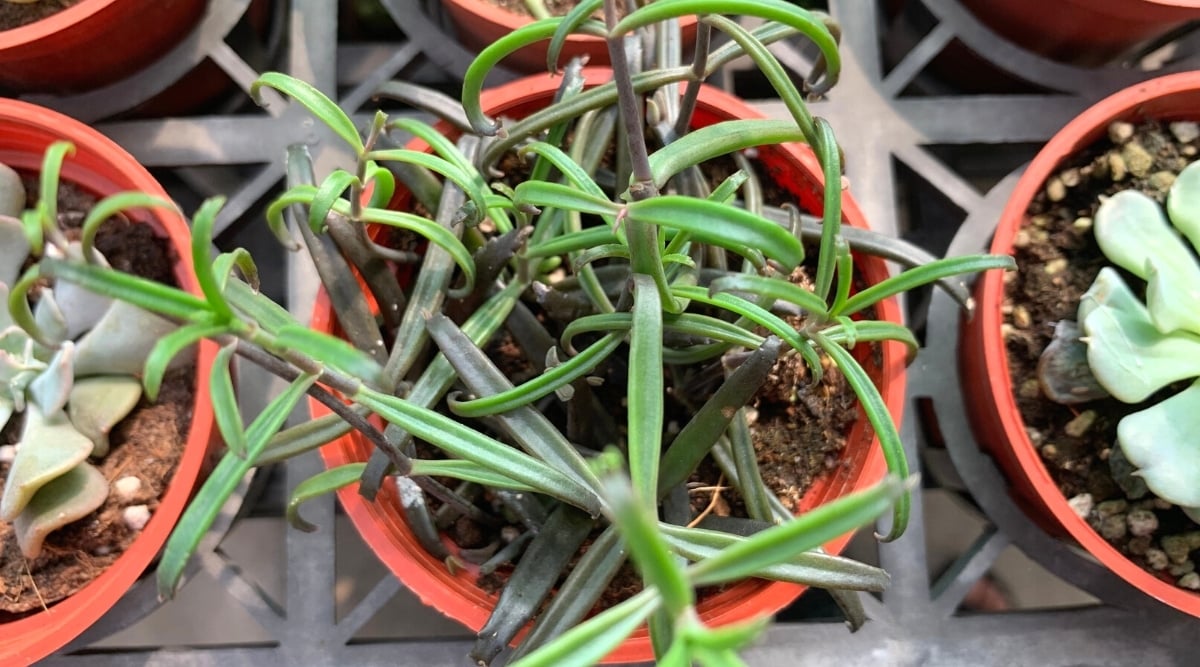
x: 687, y: 106
x: 631, y: 111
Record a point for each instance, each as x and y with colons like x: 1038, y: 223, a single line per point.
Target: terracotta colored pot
x: 479, y: 23
x: 103, y: 168
x: 382, y: 525
x: 1083, y: 32
x: 92, y: 43
x: 984, y: 359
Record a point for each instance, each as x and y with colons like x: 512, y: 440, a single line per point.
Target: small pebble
x: 1082, y: 505
x: 127, y: 487
x: 1176, y: 547
x: 8, y: 453
x: 1189, y: 151
x: 136, y: 516
x: 1111, y: 507
x: 1142, y: 523
x: 1021, y: 239
x: 1113, y: 527
x: 1041, y: 220
x: 1138, y: 160
x: 1082, y: 224
x: 1116, y: 166
x: 1021, y: 317
x: 1185, y: 131
x: 1080, y: 424
x: 1055, y: 266
x: 1056, y: 190
x: 1182, y: 569
x: 1138, y: 545
x: 1030, y: 388
x: 102, y: 550
x: 509, y: 533
x: 1049, y: 451
x: 1157, y: 559
x: 1035, y: 436
x: 1120, y: 131
x: 1190, y: 581
x: 1160, y: 504
x: 1161, y: 181
x: 1070, y: 177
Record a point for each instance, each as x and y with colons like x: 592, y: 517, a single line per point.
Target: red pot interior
x: 103, y: 168
x: 984, y: 358
x: 381, y: 523
x: 479, y: 24
x: 92, y: 43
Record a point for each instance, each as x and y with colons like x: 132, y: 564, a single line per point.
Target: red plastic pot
x: 1083, y: 32
x: 103, y: 168
x: 92, y: 43
x: 382, y: 525
x: 479, y: 23
x: 984, y: 359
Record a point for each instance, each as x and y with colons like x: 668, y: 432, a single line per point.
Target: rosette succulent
x: 71, y: 376
x: 1138, y: 346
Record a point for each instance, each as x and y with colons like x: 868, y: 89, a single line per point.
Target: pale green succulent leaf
x: 97, y: 404
x: 1183, y: 204
x: 50, y: 389
x: 1132, y: 229
x: 12, y: 192
x: 1129, y: 356
x: 67, y: 498
x: 50, y: 318
x: 49, y: 447
x: 6, y: 410
x: 1161, y: 442
x: 120, y: 342
x: 14, y: 248
x: 1174, y: 304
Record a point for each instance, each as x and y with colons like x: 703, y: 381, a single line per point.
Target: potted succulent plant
x: 1078, y: 458
x: 643, y: 310
x: 69, y: 386
x: 86, y: 44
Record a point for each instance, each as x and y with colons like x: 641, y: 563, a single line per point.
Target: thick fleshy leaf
x: 49, y: 391
x: 66, y: 499
x: 1128, y: 355
x: 120, y: 341
x: 325, y: 109
x: 49, y: 447
x: 97, y: 404
x: 718, y: 224
x: 50, y: 318
x: 1183, y: 204
x: 1134, y: 233
x: 1161, y: 442
x: 318, y: 485
x: 14, y: 248
x: 12, y: 192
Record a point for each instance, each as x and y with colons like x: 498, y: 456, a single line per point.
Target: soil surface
x: 15, y: 15
x: 1058, y: 258
x: 147, y: 444
x: 555, y: 7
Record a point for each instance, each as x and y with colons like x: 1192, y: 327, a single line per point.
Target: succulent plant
x: 1136, y: 347
x: 73, y: 376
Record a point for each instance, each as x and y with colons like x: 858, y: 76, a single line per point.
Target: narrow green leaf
x: 328, y: 193
x: 573, y: 242
x: 202, y: 226
x: 319, y: 484
x: 325, y: 109
x: 564, y: 196
x: 297, y: 194
x: 331, y: 351
x: 881, y: 420
x: 772, y: 289
x: 52, y: 162
x: 637, y: 520
x: 578, y: 15
x: 110, y: 206
x: 721, y: 225
x: 542, y: 385
x: 258, y: 307
x: 146, y: 294
x: 383, y: 185
x: 923, y: 275
x: 585, y: 644
x: 168, y: 347
x: 716, y: 140
x: 749, y: 310
x: 782, y: 543
x: 468, y: 471
x: 240, y: 259
x: 438, y: 235
x: 224, y: 400
x: 467, y: 181
x: 645, y: 390
x: 203, y: 509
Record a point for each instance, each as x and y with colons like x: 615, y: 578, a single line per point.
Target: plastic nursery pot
x: 383, y: 527
x: 92, y: 43
x: 991, y: 403
x: 1083, y: 32
x: 479, y: 23
x: 103, y: 168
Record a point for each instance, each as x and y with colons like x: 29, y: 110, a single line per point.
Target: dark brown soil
x: 555, y: 7
x: 15, y: 15
x: 1058, y: 258
x: 147, y: 444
